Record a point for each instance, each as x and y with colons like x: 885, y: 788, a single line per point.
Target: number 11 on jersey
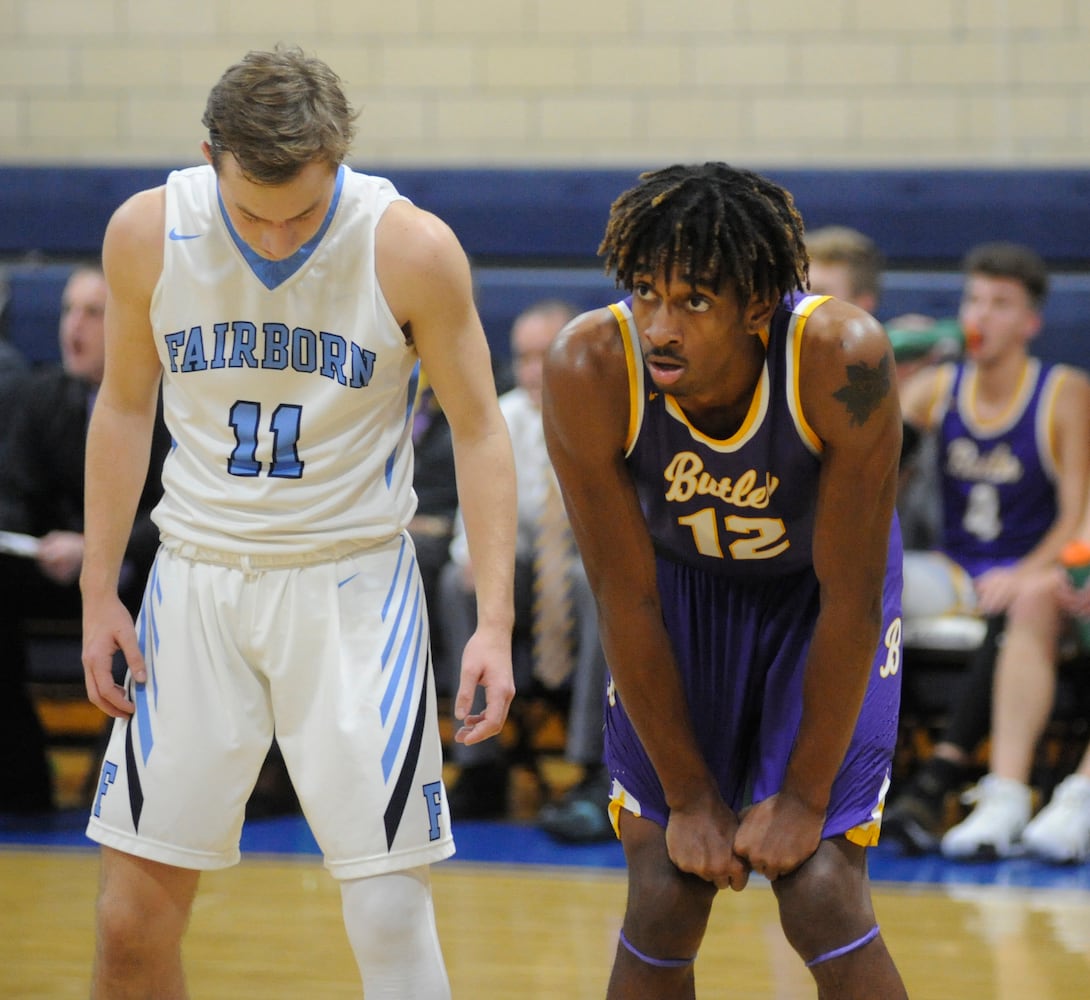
x: 245, y: 420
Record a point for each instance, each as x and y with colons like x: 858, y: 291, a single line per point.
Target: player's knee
x: 391, y: 926
x: 378, y: 915
x: 132, y: 936
x: 1036, y: 597
x: 823, y: 901
x: 667, y: 912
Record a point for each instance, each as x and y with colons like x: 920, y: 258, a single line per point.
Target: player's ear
x: 757, y: 313
x: 1033, y: 326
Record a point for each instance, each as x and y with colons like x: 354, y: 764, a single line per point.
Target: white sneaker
x: 1060, y: 832
x: 992, y: 830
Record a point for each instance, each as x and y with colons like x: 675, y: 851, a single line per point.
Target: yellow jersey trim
x: 633, y: 358
x: 795, y: 330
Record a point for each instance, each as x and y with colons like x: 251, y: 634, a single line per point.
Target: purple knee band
x: 837, y: 952
x: 661, y: 963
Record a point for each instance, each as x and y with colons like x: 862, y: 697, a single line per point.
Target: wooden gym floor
x: 271, y: 929
x: 523, y: 917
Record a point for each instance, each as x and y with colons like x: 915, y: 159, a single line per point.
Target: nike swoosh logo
x: 175, y: 235
x: 348, y: 579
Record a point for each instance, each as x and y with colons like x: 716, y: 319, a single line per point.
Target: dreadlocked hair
x: 714, y: 223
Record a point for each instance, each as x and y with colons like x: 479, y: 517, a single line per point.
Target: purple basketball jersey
x: 998, y: 480
x: 732, y: 523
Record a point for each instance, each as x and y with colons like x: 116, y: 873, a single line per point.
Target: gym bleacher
x: 533, y: 234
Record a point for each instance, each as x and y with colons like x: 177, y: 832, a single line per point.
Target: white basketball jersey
x: 287, y: 385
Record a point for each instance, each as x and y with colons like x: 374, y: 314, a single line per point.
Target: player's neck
x: 722, y: 410
x: 997, y: 384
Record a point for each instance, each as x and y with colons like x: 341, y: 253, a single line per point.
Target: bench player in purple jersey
x: 1011, y: 441
x: 728, y: 447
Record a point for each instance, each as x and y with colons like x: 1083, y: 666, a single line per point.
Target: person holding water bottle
x: 1014, y: 444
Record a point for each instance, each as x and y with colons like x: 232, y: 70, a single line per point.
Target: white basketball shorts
x: 331, y: 655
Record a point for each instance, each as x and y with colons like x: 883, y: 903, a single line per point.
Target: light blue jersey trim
x: 404, y: 651
x: 148, y: 626
x: 410, y: 409
x: 397, y: 734
x: 272, y: 273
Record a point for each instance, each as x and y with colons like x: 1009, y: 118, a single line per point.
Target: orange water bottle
x: 1075, y: 557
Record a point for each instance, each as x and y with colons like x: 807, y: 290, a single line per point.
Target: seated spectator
x: 481, y: 789
x: 13, y: 370
x: 41, y: 495
x: 1014, y: 441
x: 846, y: 264
x: 1024, y: 691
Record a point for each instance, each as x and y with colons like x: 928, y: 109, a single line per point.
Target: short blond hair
x: 276, y: 112
x: 858, y: 253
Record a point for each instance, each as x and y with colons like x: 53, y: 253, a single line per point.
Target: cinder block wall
x: 572, y: 82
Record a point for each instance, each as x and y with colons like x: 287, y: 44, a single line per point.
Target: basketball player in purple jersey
x: 1012, y: 438
x: 1011, y: 428
x: 728, y: 448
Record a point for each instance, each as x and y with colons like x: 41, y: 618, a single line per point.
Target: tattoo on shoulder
x: 867, y: 387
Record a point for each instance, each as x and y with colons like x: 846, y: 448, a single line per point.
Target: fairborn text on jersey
x: 240, y: 344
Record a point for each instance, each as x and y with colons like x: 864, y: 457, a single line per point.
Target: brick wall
x: 572, y: 82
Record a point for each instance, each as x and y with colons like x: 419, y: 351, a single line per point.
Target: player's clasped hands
x: 700, y: 841
x: 778, y: 834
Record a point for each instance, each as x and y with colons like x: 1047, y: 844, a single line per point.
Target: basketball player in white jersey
x: 286, y: 304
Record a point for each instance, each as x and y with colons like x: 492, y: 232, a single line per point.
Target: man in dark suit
x: 41, y: 495
x: 13, y: 366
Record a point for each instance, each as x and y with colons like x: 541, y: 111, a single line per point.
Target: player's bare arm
x: 849, y: 396
x: 586, y: 410
x: 425, y: 277
x: 920, y: 393
x: 119, y: 441
x: 1071, y: 446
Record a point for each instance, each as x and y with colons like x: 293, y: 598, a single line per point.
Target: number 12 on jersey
x: 760, y: 537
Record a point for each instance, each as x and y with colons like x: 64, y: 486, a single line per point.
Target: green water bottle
x: 916, y: 341
x: 1075, y: 557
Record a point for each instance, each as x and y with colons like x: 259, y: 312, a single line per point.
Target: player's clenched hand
x: 107, y: 627
x: 700, y: 840
x: 778, y: 834
x: 486, y: 662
